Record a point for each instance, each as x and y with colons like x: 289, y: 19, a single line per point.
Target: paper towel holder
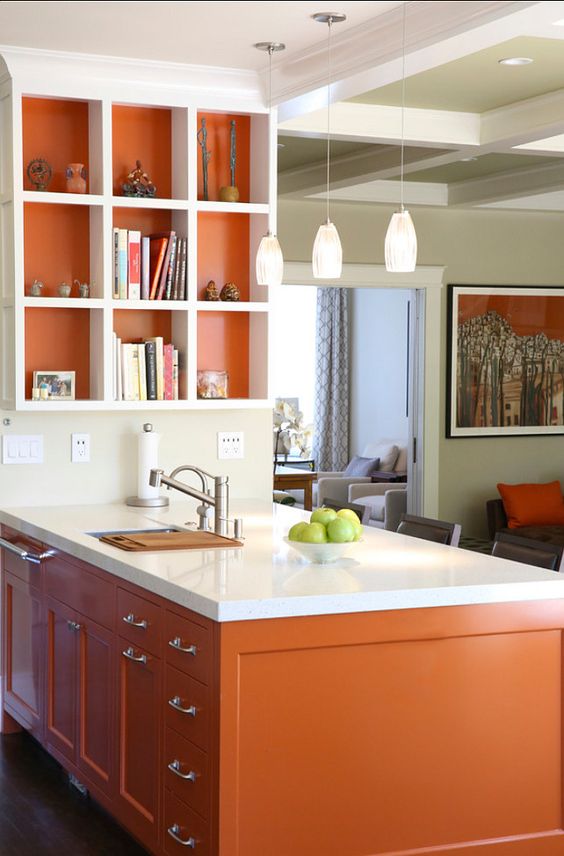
x: 153, y: 501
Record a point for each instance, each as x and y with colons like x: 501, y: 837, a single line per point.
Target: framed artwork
x: 505, y: 361
x: 54, y: 385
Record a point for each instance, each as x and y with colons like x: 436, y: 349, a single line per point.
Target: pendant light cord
x: 402, y: 105
x: 270, y: 52
x: 329, y: 24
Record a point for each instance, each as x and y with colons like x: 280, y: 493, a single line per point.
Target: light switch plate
x: 22, y: 448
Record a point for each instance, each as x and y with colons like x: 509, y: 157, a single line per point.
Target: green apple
x: 295, y: 532
x: 314, y: 533
x: 323, y: 515
x: 352, y: 516
x: 339, y: 531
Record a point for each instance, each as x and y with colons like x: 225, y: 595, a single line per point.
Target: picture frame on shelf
x: 505, y: 361
x: 59, y: 385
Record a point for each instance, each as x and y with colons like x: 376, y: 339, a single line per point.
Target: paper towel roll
x: 148, y: 459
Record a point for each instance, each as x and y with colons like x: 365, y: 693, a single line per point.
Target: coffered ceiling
x: 477, y: 133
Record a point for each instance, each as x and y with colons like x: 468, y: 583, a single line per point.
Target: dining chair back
x: 527, y: 550
x: 429, y: 529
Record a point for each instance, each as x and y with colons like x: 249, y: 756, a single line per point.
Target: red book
x: 158, y: 245
x: 134, y: 264
x: 168, y: 360
x: 164, y: 270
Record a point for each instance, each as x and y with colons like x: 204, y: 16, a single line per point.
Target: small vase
x: 76, y: 178
x: 229, y: 193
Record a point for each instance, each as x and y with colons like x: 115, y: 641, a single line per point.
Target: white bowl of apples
x: 327, y: 537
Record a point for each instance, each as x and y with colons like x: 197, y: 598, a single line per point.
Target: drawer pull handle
x: 176, y: 703
x: 176, y: 643
x: 35, y: 558
x: 134, y: 622
x: 175, y: 767
x: 174, y: 831
x: 73, y: 625
x: 130, y: 654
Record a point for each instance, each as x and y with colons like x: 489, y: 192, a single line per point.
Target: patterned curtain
x: 331, y: 410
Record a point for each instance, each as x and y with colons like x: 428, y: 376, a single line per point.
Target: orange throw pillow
x: 533, y: 504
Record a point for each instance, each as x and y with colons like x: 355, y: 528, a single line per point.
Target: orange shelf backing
x: 57, y: 245
x: 57, y: 340
x: 223, y: 344
x: 57, y: 131
x: 133, y: 325
x: 218, y: 126
x: 223, y: 251
x: 144, y: 134
x: 148, y: 220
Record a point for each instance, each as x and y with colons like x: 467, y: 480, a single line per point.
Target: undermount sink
x: 144, y: 531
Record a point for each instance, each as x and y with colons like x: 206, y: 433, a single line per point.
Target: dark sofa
x: 497, y: 522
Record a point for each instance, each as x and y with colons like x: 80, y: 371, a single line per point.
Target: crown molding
x: 31, y: 64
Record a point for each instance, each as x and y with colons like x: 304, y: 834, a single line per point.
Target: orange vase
x: 76, y: 178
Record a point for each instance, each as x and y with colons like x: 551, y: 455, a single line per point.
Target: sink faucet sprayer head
x: 155, y: 478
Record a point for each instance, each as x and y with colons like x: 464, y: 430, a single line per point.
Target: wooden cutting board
x: 169, y: 541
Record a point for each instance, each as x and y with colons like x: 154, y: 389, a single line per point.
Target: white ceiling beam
x: 369, y: 56
x: 524, y: 122
x: 389, y: 193
x: 507, y: 185
x: 370, y: 123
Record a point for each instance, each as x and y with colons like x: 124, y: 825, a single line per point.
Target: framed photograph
x: 505, y: 361
x: 54, y: 385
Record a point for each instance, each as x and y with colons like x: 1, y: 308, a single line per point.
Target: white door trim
x: 430, y: 280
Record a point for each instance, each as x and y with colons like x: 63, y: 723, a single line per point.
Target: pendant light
x: 400, y: 247
x: 327, y: 257
x: 269, y: 261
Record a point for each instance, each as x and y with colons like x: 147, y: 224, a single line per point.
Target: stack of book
x: 149, y: 267
x: 145, y: 371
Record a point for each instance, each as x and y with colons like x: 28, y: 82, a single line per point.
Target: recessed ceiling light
x: 516, y: 60
x: 467, y: 160
x: 281, y: 145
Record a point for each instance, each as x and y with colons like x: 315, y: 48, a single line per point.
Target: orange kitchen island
x: 405, y: 701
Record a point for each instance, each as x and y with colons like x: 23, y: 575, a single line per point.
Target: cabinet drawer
x: 188, y: 646
x: 28, y: 572
x: 185, y: 832
x: 184, y: 692
x: 187, y: 772
x: 71, y: 583
x: 139, y: 621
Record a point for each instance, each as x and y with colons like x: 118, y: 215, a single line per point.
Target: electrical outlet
x: 230, y: 445
x: 80, y: 448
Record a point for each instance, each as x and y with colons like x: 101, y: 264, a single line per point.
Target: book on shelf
x: 122, y: 264
x: 145, y: 267
x: 115, y: 289
x: 161, y: 290
x: 158, y: 250
x: 134, y: 264
x: 145, y: 370
x: 171, y: 266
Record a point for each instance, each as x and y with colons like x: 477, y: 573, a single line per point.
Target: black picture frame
x: 505, y: 361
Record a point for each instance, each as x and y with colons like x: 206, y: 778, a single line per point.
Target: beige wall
x: 477, y: 247
x: 111, y: 475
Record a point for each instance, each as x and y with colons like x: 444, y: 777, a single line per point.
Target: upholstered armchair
x: 392, y: 457
x: 387, y: 503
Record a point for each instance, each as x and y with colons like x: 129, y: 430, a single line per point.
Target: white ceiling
x: 201, y: 33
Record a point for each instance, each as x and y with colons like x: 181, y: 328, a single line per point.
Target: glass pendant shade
x: 327, y: 258
x: 269, y: 262
x: 400, y: 249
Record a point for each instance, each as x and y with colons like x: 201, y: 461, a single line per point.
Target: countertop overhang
x: 267, y: 579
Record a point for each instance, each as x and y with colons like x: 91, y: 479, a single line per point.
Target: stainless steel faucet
x: 219, y: 501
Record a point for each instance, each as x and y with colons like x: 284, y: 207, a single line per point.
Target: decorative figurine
x: 83, y: 288
x: 231, y: 193
x: 76, y: 178
x: 138, y: 183
x: 39, y: 173
x: 64, y: 289
x: 202, y: 136
x: 230, y: 292
x: 35, y: 288
x: 211, y: 292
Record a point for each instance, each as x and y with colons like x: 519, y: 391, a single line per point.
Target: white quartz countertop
x: 266, y: 578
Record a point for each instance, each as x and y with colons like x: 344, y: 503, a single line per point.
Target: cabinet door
x: 96, y: 704
x: 23, y: 653
x: 62, y: 675
x: 139, y: 733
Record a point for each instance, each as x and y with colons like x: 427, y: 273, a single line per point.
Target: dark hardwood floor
x: 41, y: 813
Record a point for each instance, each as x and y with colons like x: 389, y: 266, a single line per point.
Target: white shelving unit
x: 33, y: 327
